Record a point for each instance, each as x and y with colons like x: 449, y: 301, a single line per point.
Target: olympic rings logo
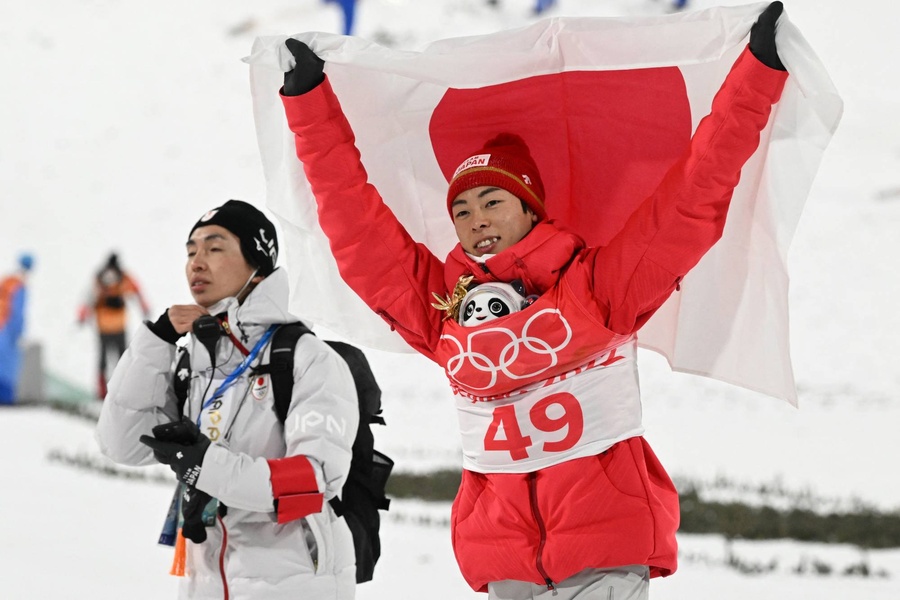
x: 515, y: 349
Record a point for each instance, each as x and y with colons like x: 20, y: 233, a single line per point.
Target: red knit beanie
x: 506, y: 163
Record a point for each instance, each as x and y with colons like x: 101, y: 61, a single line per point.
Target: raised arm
x: 672, y: 230
x: 376, y: 256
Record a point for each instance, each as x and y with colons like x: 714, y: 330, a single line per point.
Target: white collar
x: 480, y: 259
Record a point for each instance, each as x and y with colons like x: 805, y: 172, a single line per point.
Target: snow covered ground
x: 122, y: 122
x: 70, y: 532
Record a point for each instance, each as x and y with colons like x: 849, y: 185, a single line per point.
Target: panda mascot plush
x: 490, y: 301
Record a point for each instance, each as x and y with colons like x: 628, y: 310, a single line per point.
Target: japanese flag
x: 606, y: 106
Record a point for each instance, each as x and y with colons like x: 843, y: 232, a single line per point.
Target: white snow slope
x: 121, y: 123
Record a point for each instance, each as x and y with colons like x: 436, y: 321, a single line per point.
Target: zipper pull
x: 551, y: 587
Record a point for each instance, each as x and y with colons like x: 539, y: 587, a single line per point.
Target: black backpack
x: 363, y: 494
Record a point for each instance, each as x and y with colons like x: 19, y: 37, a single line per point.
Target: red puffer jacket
x: 614, y: 508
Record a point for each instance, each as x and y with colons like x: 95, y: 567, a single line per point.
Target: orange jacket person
x: 110, y: 292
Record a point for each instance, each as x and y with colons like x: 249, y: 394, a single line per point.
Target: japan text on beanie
x: 259, y: 242
x: 506, y: 163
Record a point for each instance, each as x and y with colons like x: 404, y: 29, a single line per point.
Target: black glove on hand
x: 164, y: 329
x: 308, y: 71
x: 181, y: 446
x: 762, y: 37
x: 193, y: 501
x: 184, y: 431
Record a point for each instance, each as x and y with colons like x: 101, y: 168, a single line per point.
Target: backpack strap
x: 281, y: 365
x: 367, y: 390
x: 369, y: 468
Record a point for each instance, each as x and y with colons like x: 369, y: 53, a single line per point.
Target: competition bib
x: 578, y: 413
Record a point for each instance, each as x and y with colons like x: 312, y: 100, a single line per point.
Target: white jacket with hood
x: 248, y: 554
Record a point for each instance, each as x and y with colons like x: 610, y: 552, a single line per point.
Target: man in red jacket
x: 560, y: 492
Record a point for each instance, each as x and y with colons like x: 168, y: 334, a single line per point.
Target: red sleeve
x: 672, y: 230
x: 394, y: 275
x: 294, y: 488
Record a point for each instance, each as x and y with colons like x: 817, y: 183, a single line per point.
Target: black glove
x: 184, y: 431
x: 308, y: 71
x: 164, y: 329
x: 193, y: 501
x: 181, y: 446
x: 762, y: 37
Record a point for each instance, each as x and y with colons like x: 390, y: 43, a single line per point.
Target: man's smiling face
x: 489, y: 220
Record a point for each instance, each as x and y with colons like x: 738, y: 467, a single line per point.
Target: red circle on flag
x: 602, y: 140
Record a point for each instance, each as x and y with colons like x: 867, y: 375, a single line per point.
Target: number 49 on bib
x: 548, y: 415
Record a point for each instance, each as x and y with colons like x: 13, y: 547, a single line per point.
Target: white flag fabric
x: 612, y: 102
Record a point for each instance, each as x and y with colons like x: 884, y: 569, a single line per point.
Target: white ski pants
x: 621, y: 583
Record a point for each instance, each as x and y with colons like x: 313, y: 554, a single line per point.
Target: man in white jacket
x: 254, y: 491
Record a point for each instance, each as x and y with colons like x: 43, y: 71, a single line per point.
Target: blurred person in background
x: 677, y: 5
x: 349, y: 9
x: 13, y: 298
x: 107, y: 302
x: 539, y: 5
x: 542, y: 5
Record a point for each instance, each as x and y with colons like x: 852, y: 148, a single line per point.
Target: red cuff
x: 295, y: 506
x: 292, y: 475
x: 294, y: 488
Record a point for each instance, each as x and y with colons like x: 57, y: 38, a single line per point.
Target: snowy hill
x: 122, y: 123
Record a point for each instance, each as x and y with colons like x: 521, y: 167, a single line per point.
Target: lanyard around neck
x: 237, y: 343
x: 233, y: 376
